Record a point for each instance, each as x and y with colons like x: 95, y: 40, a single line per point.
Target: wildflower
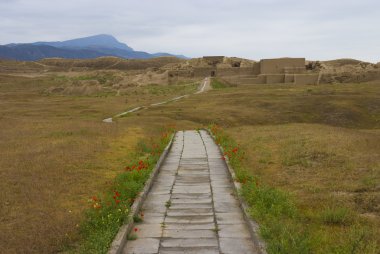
x: 135, y: 229
x: 94, y: 198
x: 117, y: 201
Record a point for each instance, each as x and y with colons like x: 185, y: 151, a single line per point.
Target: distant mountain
x: 82, y: 48
x: 96, y: 41
x: 29, y: 52
x: 167, y: 54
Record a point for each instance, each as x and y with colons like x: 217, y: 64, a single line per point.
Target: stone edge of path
x: 121, y: 238
x: 252, y: 225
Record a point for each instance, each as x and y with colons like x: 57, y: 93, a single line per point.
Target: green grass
x: 102, y: 77
x: 274, y: 210
x: 168, y: 204
x: 109, y: 210
x: 137, y: 219
x: 337, y: 216
x: 132, y: 237
x: 283, y: 225
x: 154, y: 89
x: 216, y: 84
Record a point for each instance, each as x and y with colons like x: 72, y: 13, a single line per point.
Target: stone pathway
x: 191, y: 207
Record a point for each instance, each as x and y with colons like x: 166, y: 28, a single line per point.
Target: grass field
x: 319, y: 145
x: 56, y: 153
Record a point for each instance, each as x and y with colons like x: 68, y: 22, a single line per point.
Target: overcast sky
x: 255, y: 29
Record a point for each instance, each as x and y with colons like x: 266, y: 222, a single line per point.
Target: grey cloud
x: 247, y: 28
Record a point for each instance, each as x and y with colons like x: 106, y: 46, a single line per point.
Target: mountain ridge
x: 100, y: 40
x: 82, y: 48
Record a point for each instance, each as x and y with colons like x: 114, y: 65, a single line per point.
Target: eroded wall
x: 267, y: 71
x: 282, y: 65
x: 306, y: 79
x: 213, y: 60
x: 275, y: 78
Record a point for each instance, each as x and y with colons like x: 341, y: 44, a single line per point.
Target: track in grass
x: 204, y: 87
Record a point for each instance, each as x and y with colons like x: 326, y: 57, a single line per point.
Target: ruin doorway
x: 212, y: 73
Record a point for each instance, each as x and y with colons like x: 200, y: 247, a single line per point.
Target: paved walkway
x: 191, y: 207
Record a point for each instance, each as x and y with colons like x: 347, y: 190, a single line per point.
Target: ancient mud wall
x: 275, y: 78
x: 202, y: 72
x: 235, y: 71
x: 267, y: 71
x: 349, y: 77
x: 278, y: 66
x: 298, y: 79
x: 237, y: 80
x: 213, y: 60
x: 289, y: 78
x: 306, y: 79
x: 175, y: 76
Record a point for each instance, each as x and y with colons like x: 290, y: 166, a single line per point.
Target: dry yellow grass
x: 56, y: 153
x: 325, y: 169
x: 320, y: 143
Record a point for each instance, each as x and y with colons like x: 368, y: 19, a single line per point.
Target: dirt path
x: 191, y: 207
x: 205, y: 86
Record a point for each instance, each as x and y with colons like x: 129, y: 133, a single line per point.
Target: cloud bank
x: 255, y: 29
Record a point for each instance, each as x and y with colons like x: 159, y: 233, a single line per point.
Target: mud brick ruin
x: 238, y: 71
